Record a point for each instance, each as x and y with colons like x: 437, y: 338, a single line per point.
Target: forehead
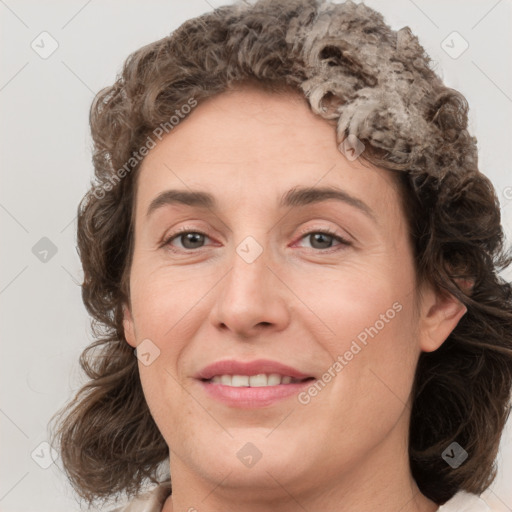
x: 252, y: 124
x: 250, y: 145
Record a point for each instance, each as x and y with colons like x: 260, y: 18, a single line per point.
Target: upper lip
x: 232, y: 367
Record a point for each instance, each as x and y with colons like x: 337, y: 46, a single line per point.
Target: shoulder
x: 465, y: 502
x: 149, y: 501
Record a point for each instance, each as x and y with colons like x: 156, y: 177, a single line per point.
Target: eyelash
x: 326, y: 231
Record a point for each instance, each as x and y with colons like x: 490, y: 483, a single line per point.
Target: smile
x: 255, y: 381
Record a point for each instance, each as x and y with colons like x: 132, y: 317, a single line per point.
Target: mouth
x: 255, y: 381
x: 251, y: 384
x: 262, y: 370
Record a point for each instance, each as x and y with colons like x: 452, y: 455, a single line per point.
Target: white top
x: 465, y: 502
x: 153, y: 501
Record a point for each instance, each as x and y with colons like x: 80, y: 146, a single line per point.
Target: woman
x: 290, y: 232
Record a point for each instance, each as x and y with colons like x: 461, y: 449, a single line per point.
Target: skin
x: 297, y: 303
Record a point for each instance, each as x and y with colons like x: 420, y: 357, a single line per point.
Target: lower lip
x: 248, y: 397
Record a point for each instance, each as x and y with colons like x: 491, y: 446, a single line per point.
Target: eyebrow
x: 293, y: 198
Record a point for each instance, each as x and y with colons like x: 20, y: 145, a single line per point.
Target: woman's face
x: 259, y: 281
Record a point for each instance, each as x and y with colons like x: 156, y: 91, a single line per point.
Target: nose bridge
x: 250, y: 264
x: 250, y: 295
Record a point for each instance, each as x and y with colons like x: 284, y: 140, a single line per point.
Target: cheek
x: 166, y: 306
x: 163, y: 298
x: 369, y: 382
x: 367, y: 304
x: 372, y: 339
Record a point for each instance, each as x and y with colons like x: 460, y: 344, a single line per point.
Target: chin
x: 255, y: 456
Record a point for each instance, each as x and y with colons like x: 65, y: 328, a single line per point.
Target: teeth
x: 274, y: 379
x: 252, y: 381
x: 238, y: 381
x: 256, y: 380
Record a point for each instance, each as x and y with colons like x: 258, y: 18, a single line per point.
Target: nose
x: 252, y: 299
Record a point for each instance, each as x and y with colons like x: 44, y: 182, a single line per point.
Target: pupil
x: 320, y: 236
x: 189, y: 237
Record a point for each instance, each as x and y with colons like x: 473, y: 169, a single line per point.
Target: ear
x: 440, y: 314
x: 129, y: 326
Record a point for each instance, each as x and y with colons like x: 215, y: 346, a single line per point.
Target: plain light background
x: 46, y: 168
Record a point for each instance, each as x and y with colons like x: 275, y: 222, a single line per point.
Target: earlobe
x: 128, y: 326
x: 440, y: 316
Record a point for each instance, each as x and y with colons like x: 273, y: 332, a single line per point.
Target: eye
x: 189, y: 239
x: 323, y: 239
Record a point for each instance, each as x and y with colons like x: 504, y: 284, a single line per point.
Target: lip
x: 248, y: 397
x: 252, y: 398
x: 232, y: 367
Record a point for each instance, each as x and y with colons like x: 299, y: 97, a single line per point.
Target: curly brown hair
x: 371, y: 82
